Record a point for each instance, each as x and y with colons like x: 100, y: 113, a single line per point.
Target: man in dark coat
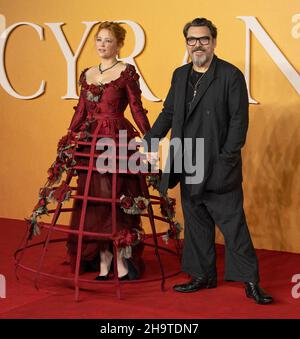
x: 208, y: 101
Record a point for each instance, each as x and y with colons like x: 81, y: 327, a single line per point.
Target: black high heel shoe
x: 133, y: 273
x: 125, y: 277
x: 102, y: 277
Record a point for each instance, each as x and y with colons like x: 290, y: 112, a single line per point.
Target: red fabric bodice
x: 107, y: 102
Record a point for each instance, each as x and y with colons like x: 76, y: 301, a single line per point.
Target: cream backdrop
x: 30, y: 129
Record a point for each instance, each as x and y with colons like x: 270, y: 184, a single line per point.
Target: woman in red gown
x: 106, y: 90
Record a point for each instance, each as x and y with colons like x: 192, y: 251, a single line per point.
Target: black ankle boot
x: 254, y: 291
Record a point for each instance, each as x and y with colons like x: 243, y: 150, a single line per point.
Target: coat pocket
x: 226, y: 174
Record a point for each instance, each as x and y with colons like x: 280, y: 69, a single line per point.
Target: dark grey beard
x: 199, y: 61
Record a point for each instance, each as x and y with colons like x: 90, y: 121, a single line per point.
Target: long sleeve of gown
x: 134, y: 98
x: 80, y: 111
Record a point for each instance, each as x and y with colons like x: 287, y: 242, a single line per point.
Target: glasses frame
x: 198, y: 39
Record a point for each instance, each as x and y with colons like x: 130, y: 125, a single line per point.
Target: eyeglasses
x: 204, y: 40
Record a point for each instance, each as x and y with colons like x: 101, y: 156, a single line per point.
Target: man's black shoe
x: 196, y: 284
x: 253, y: 290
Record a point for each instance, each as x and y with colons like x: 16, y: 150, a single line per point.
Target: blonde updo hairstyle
x: 116, y: 29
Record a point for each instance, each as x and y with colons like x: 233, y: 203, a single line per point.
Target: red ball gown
x: 100, y: 110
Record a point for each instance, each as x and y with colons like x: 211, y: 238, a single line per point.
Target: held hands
x: 151, y: 157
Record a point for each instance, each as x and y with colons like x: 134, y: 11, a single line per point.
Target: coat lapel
x: 203, y: 86
x: 181, y: 91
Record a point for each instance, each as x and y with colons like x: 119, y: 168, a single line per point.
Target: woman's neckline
x: 105, y: 83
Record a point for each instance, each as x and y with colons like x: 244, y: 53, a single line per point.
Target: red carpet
x: 55, y: 299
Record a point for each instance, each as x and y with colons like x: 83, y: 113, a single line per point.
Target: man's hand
x: 150, y: 157
x: 153, y: 160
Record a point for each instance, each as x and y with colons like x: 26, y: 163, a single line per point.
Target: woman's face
x: 106, y: 44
